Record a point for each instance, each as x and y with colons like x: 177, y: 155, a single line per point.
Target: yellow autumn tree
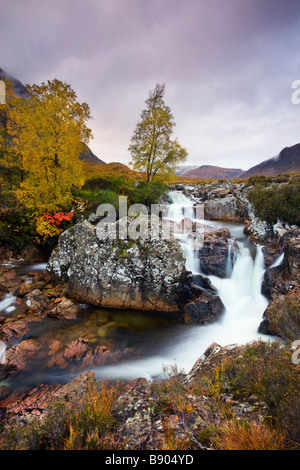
x: 48, y: 128
x: 8, y: 156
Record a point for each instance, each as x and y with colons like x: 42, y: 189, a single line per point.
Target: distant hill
x: 18, y: 87
x: 115, y: 169
x: 212, y: 172
x: 182, y: 169
x: 288, y: 161
x: 89, y: 157
x: 86, y: 155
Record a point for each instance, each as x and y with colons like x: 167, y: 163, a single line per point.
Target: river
x: 160, y: 340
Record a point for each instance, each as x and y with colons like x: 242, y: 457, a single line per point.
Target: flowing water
x: 240, y: 294
x: 161, y: 340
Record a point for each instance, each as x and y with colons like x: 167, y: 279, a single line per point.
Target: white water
x: 180, y: 209
x: 2, y: 350
x: 244, y: 307
x: 278, y: 261
x: 6, y: 304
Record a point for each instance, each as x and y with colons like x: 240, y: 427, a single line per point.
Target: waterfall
x: 240, y: 293
x: 242, y: 298
x: 278, y: 261
x: 181, y: 209
x: 229, y: 261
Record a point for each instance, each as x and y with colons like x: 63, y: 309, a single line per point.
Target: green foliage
x: 147, y: 193
x: 107, y: 190
x: 278, y: 202
x: 17, y: 227
x: 258, y: 179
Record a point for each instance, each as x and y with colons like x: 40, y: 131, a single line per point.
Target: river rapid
x: 161, y: 340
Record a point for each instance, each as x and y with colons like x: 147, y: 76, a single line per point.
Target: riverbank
x: 50, y: 339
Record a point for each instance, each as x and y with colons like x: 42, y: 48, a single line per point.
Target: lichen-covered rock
x: 36, y: 301
x: 135, y: 411
x: 144, y: 274
x: 225, y: 208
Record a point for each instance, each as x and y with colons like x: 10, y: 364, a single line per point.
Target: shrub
x: 266, y: 370
x: 147, y: 193
x: 107, y: 191
x: 258, y: 179
x: 283, y: 202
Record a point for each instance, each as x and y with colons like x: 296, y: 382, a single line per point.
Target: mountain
x: 212, y: 172
x: 18, y: 87
x: 182, y: 169
x: 288, y: 161
x: 89, y: 157
x: 86, y: 155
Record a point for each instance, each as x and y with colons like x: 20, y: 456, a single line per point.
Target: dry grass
x: 237, y: 435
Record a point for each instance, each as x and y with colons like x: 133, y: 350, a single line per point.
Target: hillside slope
x: 288, y: 161
x: 213, y: 172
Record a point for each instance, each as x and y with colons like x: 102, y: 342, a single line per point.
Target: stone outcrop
x: 281, y: 285
x: 142, y: 274
x: 16, y: 358
x: 135, y: 410
x: 228, y: 208
x: 145, y: 413
x: 205, y: 310
x: 214, y: 253
x: 285, y: 277
x: 27, y: 403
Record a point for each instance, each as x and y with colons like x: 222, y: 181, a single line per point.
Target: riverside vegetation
x: 235, y: 397
x: 241, y: 398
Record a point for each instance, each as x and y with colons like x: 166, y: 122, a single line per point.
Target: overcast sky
x: 228, y: 67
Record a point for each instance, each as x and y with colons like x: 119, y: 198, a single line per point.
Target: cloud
x: 227, y: 65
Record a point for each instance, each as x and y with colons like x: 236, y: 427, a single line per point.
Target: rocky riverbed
x: 66, y: 319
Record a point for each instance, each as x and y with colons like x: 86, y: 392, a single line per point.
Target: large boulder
x: 206, y: 309
x: 215, y: 252
x: 225, y: 208
x: 144, y: 274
